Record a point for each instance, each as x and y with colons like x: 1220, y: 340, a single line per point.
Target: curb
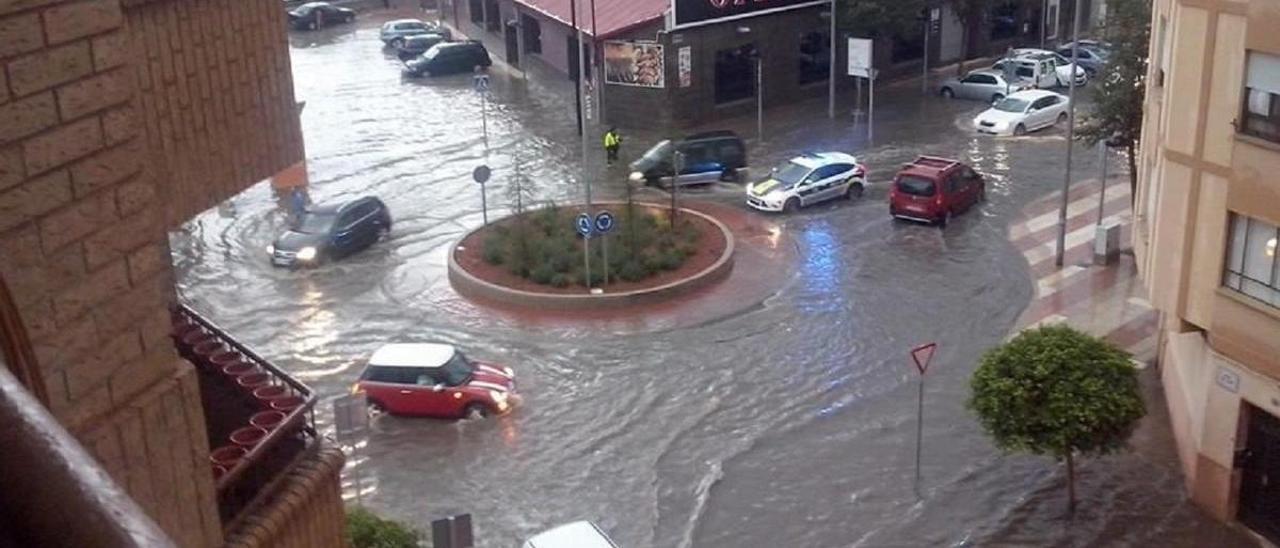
x: 472, y: 287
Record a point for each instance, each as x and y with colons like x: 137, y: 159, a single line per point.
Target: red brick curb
x: 472, y: 287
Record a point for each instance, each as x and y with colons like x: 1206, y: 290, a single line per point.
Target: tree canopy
x: 1056, y: 391
x: 1117, y: 108
x: 881, y: 18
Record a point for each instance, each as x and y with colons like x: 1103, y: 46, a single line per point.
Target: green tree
x: 1056, y: 391
x: 970, y: 13
x: 881, y: 19
x: 366, y: 530
x: 1116, y: 116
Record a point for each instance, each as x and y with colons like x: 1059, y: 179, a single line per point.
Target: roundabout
x: 710, y: 262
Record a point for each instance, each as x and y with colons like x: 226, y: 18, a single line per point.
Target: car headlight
x: 636, y: 176
x: 498, y: 397
x: 271, y: 249
x: 307, y: 253
x: 508, y: 371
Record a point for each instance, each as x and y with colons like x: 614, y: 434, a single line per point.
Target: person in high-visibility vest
x: 612, y: 141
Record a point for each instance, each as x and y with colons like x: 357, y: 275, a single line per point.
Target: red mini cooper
x: 435, y: 380
x: 931, y: 190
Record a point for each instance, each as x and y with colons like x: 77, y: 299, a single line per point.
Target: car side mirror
x: 437, y: 388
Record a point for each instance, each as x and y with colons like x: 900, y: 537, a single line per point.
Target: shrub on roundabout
x: 542, y: 246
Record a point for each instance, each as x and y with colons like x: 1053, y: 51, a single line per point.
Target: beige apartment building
x: 1207, y: 211
x: 119, y: 120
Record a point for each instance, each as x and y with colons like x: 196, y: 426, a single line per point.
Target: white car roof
x: 817, y: 159
x: 579, y: 534
x: 413, y: 355
x: 1033, y: 94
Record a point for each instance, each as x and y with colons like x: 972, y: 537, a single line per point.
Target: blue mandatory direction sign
x: 604, y: 222
x: 480, y: 82
x: 584, y: 225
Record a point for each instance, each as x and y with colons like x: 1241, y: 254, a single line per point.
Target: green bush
x: 366, y: 530
x: 546, y: 249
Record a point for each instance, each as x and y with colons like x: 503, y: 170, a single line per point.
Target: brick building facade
x: 120, y: 119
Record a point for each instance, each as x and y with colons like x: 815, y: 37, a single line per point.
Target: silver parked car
x: 394, y: 32
x: 980, y: 85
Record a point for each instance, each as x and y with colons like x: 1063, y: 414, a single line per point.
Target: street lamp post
x: 759, y: 96
x: 1071, y: 133
x: 831, y: 66
x: 924, y: 77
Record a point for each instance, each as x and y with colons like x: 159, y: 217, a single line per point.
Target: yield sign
x: 922, y: 354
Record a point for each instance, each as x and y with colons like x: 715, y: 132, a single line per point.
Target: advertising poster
x: 634, y: 64
x: 686, y: 66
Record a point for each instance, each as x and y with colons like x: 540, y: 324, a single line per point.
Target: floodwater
x: 792, y: 424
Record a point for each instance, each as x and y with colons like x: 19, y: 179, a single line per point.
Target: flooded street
x: 792, y: 424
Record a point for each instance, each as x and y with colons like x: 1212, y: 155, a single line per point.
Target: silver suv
x: 980, y: 85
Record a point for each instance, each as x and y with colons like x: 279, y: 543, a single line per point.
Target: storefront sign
x: 686, y: 66
x: 700, y: 12
x: 860, y: 57
x: 634, y: 64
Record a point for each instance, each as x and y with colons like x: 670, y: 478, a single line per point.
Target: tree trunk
x: 1133, y: 173
x: 1071, y: 484
x: 964, y: 49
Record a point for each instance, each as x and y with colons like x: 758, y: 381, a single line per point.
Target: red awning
x: 612, y: 16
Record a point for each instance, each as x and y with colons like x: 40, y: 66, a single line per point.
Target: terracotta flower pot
x: 219, y: 471
x: 227, y: 456
x: 238, y: 368
x: 266, y: 394
x: 225, y: 358
x: 253, y: 381
x: 248, y: 437
x: 267, y: 420
x: 287, y: 404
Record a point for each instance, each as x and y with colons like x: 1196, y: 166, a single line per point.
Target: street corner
x: 1107, y: 300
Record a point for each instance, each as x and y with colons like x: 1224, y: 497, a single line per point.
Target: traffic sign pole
x: 604, y: 224
x: 921, y: 355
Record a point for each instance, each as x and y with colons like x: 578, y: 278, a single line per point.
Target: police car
x: 808, y: 179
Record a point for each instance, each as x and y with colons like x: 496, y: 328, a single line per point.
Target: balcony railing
x: 261, y: 421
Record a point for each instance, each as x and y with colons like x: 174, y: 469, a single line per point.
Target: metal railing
x: 254, y: 476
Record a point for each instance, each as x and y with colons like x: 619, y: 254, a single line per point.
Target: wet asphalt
x: 791, y: 424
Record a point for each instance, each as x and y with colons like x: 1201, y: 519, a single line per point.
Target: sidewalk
x: 1106, y: 301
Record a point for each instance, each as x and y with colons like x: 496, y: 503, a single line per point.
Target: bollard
x: 1106, y: 243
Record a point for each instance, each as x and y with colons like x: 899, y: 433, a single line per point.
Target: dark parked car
x: 705, y: 157
x: 449, y: 58
x: 331, y: 232
x: 314, y: 15
x: 418, y: 44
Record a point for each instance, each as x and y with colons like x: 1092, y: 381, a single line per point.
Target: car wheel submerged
x: 854, y: 190
x: 1020, y: 130
x: 1062, y: 118
x: 376, y: 408
x: 944, y: 219
x: 729, y: 176
x: 397, y: 43
x: 313, y: 25
x: 475, y: 411
x: 791, y: 206
x: 948, y: 94
x: 996, y: 98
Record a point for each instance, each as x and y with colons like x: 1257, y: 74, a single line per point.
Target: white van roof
x: 579, y: 534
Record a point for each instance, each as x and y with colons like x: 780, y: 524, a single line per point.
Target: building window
x: 493, y: 16
x: 735, y: 74
x: 1261, y: 116
x: 1051, y: 20
x: 532, y: 34
x: 1004, y: 21
x: 1252, y: 266
x: 476, y: 7
x: 815, y: 57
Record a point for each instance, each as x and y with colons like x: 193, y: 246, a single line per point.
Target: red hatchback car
x: 435, y: 380
x: 932, y: 189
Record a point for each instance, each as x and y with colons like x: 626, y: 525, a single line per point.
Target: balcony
x: 260, y: 421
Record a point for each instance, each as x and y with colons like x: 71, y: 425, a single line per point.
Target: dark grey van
x: 705, y: 158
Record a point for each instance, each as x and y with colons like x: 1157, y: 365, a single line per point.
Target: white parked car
x: 808, y: 179
x: 579, y: 534
x: 1022, y: 112
x: 1062, y: 65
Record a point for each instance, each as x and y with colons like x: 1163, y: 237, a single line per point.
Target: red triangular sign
x: 922, y: 355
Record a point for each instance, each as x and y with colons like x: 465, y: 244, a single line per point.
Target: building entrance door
x: 513, y: 45
x: 1260, y: 486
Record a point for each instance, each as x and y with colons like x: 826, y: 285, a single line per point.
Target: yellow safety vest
x: 611, y: 140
